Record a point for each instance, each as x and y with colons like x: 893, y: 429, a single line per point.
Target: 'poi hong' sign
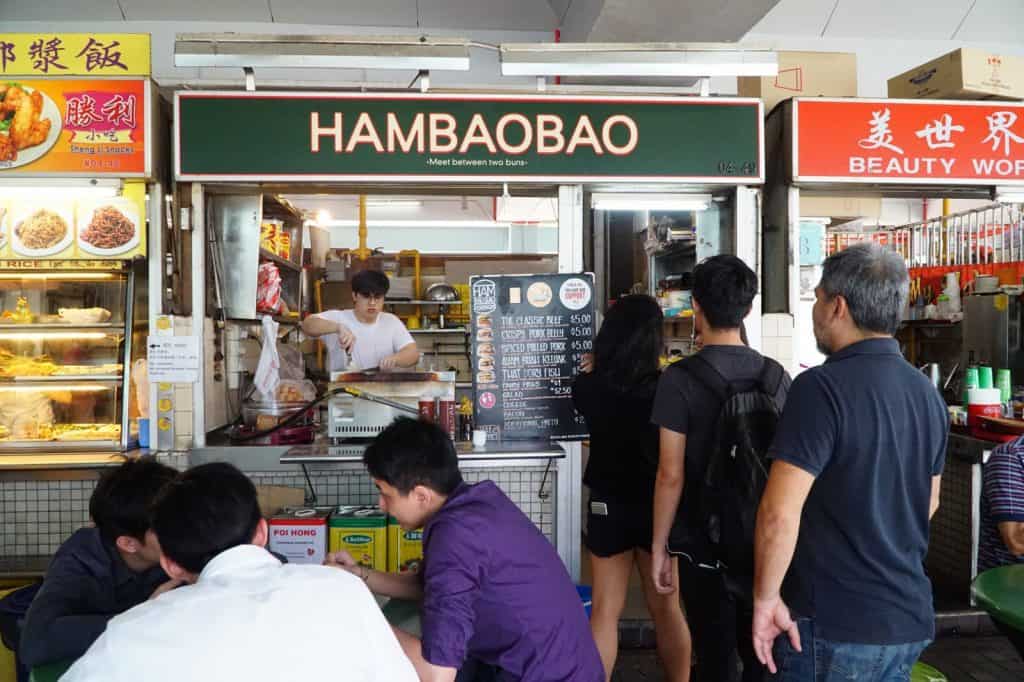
x: 352, y: 136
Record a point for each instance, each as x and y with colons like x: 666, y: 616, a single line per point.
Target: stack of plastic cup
x: 970, y: 380
x: 1005, y: 385
x: 985, y: 377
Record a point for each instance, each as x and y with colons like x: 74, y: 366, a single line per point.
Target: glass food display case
x: 66, y: 348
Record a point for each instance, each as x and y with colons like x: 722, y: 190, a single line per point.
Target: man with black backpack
x: 717, y: 412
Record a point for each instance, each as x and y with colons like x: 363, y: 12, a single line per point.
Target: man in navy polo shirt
x: 858, y: 457
x: 497, y: 602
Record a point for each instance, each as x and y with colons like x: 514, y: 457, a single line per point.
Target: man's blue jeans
x: 825, y: 661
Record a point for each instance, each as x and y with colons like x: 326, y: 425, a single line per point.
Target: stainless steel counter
x: 493, y: 451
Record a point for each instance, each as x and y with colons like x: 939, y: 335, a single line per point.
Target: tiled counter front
x: 40, y: 509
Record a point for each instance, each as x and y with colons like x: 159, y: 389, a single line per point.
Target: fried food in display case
x: 65, y: 338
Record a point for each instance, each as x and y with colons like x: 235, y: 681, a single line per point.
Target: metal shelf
x: 453, y: 330
x: 280, y: 319
x: 22, y: 381
x: 64, y: 379
x: 60, y: 326
x: 402, y: 301
x: 274, y: 258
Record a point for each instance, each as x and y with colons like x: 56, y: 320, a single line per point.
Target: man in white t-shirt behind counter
x: 370, y: 337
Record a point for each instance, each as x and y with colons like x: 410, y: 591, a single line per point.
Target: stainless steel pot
x: 442, y: 292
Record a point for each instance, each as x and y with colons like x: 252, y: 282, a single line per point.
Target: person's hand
x: 661, y: 570
x: 340, y: 559
x: 771, y: 619
x: 166, y: 587
x: 587, y: 363
x: 345, y: 337
x: 390, y: 362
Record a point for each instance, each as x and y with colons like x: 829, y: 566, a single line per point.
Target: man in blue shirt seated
x: 497, y: 602
x: 102, y: 571
x: 1002, y: 516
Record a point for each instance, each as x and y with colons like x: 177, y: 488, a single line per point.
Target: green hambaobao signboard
x: 279, y: 136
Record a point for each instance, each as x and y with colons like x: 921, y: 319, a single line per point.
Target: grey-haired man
x: 857, y: 461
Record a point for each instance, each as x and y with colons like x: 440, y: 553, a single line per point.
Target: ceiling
x: 987, y: 21
x: 970, y: 21
x: 597, y: 20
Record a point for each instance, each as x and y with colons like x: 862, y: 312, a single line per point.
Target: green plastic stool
x: 925, y: 673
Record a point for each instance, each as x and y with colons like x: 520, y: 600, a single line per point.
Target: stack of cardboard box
x: 963, y: 74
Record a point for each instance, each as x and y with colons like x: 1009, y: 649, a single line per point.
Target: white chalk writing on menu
x: 528, y: 342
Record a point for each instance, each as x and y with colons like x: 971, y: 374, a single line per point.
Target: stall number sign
x: 529, y: 334
x: 908, y: 142
x: 173, y: 359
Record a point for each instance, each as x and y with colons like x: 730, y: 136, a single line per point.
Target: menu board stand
x: 529, y: 334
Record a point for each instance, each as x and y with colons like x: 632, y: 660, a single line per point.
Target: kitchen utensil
x: 442, y: 292
x: 986, y: 284
x: 262, y: 415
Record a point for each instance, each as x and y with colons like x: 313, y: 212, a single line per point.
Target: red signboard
x: 909, y: 142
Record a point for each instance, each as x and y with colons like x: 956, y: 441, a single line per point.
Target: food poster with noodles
x: 71, y: 127
x: 94, y: 228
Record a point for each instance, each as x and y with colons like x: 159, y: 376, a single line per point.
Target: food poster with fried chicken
x: 95, y: 228
x: 69, y: 127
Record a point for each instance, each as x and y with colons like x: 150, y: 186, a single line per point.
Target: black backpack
x: 737, y: 468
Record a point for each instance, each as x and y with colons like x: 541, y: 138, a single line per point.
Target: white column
x: 748, y: 249
x: 154, y: 291
x: 199, y: 312
x: 569, y: 499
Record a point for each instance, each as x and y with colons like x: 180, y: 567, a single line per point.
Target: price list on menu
x: 529, y: 334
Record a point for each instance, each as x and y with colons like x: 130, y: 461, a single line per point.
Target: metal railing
x: 992, y: 234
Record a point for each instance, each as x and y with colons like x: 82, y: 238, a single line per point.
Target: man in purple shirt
x: 497, y: 603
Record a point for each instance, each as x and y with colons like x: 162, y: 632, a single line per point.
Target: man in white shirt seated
x: 371, y: 338
x: 241, y: 614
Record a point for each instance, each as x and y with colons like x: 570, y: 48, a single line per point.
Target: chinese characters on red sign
x: 900, y: 141
x: 108, y: 115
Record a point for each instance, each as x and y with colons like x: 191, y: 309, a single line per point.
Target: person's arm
x: 456, y: 561
x: 316, y: 326
x: 668, y: 491
x: 64, y: 619
x: 405, y: 351
x: 933, y: 504
x: 778, y: 525
x: 407, y: 356
x: 1003, y: 490
x: 394, y: 585
x: 426, y: 671
x: 804, y: 445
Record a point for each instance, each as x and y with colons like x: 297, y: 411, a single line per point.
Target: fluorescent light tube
x: 649, y: 202
x: 626, y: 59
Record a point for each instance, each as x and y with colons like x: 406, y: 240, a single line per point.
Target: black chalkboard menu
x: 529, y: 333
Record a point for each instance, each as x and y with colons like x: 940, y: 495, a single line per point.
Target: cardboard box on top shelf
x: 966, y: 73
x: 273, y: 498
x: 804, y: 74
x: 841, y: 207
